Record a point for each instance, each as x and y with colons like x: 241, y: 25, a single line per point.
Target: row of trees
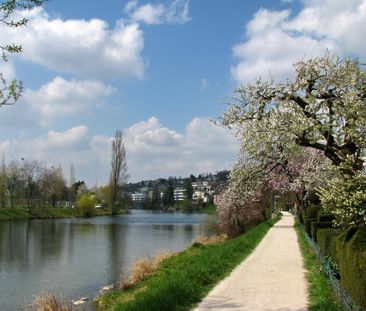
x: 304, y: 135
x: 28, y: 184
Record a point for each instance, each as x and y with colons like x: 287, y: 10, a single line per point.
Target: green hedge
x: 318, y: 225
x: 348, y: 249
x: 307, y: 225
x: 312, y: 211
x: 327, y: 241
x: 352, y: 263
x: 325, y: 217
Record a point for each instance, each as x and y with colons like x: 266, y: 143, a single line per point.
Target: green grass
x: 209, y: 210
x: 184, y: 280
x: 13, y: 214
x: 321, y: 297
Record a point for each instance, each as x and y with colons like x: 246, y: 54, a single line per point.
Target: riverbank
x: 185, y: 279
x: 7, y: 214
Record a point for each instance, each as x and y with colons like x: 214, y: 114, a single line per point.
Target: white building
x: 200, y: 195
x: 138, y: 197
x: 180, y: 194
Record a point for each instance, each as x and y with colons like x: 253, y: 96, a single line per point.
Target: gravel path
x: 272, y: 278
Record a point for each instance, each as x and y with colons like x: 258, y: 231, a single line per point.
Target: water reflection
x: 75, y: 257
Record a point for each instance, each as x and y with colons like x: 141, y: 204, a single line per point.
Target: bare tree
x: 52, y: 185
x: 119, y: 176
x: 14, y: 180
x: 32, y: 173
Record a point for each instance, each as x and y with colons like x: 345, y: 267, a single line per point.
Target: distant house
x: 138, y: 197
x: 200, y: 195
x: 180, y: 194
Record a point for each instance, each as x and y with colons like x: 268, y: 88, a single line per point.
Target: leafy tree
x: 189, y: 189
x: 223, y: 175
x: 86, y: 205
x: 168, y: 197
x: 118, y: 177
x: 155, y: 202
x: 10, y: 91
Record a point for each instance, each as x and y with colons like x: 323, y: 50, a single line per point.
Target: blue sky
x: 158, y: 71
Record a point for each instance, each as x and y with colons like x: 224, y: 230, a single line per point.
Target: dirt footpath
x: 272, y: 278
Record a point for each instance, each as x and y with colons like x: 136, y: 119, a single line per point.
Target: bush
x: 312, y: 198
x: 49, y: 302
x: 325, y: 217
x: 307, y: 225
x: 317, y: 225
x: 312, y: 211
x: 184, y: 206
x: 327, y: 241
x: 86, y: 205
x: 352, y: 263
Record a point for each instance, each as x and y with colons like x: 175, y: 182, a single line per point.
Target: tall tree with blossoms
x: 324, y: 110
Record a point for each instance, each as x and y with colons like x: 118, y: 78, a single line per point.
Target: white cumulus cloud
x: 67, y: 139
x: 176, y: 12
x: 277, y: 39
x: 80, y: 47
x: 56, y: 100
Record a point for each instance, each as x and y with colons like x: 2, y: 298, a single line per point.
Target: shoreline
x: 20, y: 214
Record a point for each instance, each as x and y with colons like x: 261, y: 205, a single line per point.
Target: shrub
x: 317, y: 225
x: 329, y: 264
x: 213, y: 239
x: 209, y: 226
x: 312, y: 211
x: 142, y: 268
x: 352, y: 263
x: 325, y: 217
x: 184, y: 206
x: 307, y: 225
x: 49, y: 302
x: 86, y: 205
x: 327, y: 241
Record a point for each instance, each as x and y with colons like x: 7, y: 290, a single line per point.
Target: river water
x: 75, y: 257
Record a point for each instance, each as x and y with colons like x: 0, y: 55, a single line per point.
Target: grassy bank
x: 45, y: 213
x: 321, y: 297
x: 184, y: 280
x: 209, y: 210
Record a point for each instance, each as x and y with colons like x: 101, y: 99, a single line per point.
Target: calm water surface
x: 75, y: 257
